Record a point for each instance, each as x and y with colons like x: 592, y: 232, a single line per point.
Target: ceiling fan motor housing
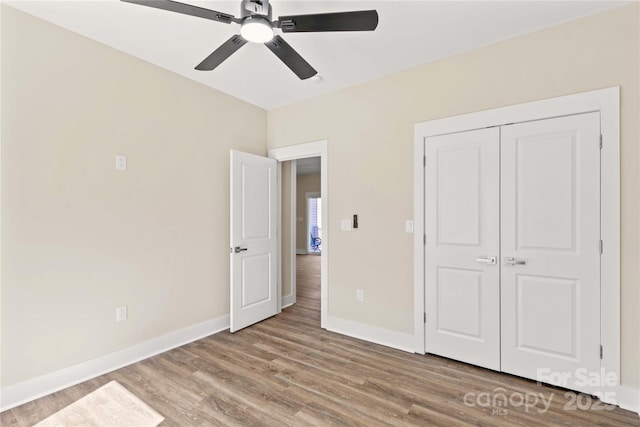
x: 255, y: 7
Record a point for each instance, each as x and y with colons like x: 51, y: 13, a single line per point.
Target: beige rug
x: 110, y: 405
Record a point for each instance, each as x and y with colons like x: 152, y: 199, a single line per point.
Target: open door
x: 254, y: 288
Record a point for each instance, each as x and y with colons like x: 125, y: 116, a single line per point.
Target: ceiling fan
x: 256, y: 26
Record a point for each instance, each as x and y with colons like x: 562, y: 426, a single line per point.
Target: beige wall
x: 305, y: 184
x: 372, y: 125
x: 79, y: 238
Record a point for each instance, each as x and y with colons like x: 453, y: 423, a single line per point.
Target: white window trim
x: 605, y: 101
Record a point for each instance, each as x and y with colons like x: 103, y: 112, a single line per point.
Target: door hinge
x: 601, y: 352
x: 601, y: 141
x: 424, y: 160
x: 425, y: 317
x: 424, y: 240
x: 601, y: 247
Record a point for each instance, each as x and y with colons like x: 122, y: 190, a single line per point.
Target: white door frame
x: 605, y: 101
x: 302, y: 151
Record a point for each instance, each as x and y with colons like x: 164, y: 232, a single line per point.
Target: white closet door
x: 550, y: 299
x: 462, y: 241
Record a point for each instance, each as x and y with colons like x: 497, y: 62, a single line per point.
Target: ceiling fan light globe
x: 256, y: 30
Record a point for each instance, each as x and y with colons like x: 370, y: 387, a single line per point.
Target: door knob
x: 490, y: 260
x: 511, y: 261
x: 238, y: 249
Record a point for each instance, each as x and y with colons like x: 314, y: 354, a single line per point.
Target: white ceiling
x: 410, y: 33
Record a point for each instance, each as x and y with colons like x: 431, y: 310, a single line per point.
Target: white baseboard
x: 628, y: 398
x: 14, y: 395
x: 287, y: 301
x: 26, y: 391
x: 301, y: 252
x: 386, y: 337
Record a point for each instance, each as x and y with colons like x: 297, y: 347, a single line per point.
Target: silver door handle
x: 511, y: 261
x: 487, y: 260
x: 238, y: 249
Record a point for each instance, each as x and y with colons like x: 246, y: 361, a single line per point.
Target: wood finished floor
x: 286, y: 371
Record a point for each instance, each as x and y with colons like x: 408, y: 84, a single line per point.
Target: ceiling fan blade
x: 291, y: 58
x: 365, y: 20
x: 219, y: 55
x: 186, y: 9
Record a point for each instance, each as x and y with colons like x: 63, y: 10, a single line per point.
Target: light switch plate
x: 121, y: 162
x: 408, y: 226
x: 345, y: 225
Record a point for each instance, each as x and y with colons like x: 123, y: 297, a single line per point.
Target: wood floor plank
x: 333, y: 389
x: 287, y: 371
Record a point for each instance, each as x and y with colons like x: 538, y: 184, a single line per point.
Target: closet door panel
x: 550, y: 241
x: 462, y: 244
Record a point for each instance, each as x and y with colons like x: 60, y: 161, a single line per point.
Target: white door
x: 550, y: 189
x: 253, y: 239
x: 462, y: 290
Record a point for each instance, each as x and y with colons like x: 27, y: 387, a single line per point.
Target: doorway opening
x: 306, y: 196
x: 303, y: 169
